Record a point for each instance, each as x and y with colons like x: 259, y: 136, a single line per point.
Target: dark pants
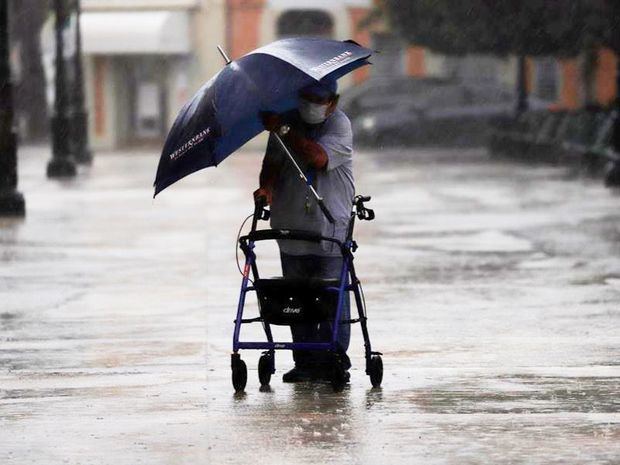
x: 314, y: 266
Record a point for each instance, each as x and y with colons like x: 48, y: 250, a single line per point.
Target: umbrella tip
x: 223, y: 53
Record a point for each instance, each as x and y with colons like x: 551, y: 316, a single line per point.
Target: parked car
x: 383, y: 93
x: 427, y: 111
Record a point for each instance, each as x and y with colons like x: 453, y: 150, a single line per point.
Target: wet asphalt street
x: 493, y: 290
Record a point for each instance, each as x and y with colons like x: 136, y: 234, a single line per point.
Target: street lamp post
x: 522, y: 101
x: 62, y: 163
x: 11, y: 201
x: 80, y: 116
x: 616, y: 138
x: 612, y: 176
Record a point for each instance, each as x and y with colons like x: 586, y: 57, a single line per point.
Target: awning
x: 328, y: 5
x: 141, y: 32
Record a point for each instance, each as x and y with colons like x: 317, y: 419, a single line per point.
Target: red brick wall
x: 361, y: 36
x: 100, y: 65
x: 416, y: 65
x: 570, y: 84
x: 604, y: 83
x: 243, y: 26
x: 606, y: 76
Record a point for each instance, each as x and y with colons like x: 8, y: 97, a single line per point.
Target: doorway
x: 141, y: 100
x: 315, y: 23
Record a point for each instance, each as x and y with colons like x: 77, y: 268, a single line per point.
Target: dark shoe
x: 347, y: 377
x: 297, y: 375
x: 346, y: 361
x: 326, y: 372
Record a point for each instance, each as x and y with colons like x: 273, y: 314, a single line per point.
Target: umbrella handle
x: 318, y: 198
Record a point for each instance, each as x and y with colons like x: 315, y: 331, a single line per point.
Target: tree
x: 497, y: 27
x: 603, y: 21
x: 524, y: 27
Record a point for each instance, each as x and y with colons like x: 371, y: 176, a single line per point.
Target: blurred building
x: 557, y: 81
x: 145, y: 58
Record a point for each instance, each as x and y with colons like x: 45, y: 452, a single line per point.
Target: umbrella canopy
x: 225, y: 113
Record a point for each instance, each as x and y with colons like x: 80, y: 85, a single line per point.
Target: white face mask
x: 312, y: 113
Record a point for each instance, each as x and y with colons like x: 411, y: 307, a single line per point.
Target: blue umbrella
x: 225, y: 113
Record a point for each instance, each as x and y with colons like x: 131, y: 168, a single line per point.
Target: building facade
x: 144, y: 58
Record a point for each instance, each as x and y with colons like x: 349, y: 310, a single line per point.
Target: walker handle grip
x: 260, y: 201
x: 260, y: 212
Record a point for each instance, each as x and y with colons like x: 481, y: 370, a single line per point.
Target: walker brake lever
x: 364, y: 213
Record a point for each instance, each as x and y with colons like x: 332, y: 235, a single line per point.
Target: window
x: 546, y: 78
x: 316, y: 23
x: 389, y: 61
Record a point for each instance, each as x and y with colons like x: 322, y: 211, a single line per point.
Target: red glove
x: 265, y: 193
x: 271, y: 121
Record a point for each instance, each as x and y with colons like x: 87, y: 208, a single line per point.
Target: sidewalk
x: 493, y: 290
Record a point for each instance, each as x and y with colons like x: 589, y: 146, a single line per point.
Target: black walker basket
x: 291, y: 301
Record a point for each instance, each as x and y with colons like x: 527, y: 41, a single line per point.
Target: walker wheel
x: 338, y: 378
x: 239, y: 373
x: 375, y: 370
x: 265, y: 369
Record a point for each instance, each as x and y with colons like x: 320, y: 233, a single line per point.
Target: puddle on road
x: 519, y: 394
x: 478, y: 242
x: 469, y: 272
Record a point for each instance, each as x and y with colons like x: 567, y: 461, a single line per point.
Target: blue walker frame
x: 348, y: 282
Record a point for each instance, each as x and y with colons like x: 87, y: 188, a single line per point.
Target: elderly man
x: 320, y: 138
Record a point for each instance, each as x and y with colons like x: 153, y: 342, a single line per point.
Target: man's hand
x: 309, y: 150
x: 264, y: 193
x: 271, y: 121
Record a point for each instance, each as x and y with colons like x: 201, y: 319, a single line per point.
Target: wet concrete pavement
x: 493, y: 290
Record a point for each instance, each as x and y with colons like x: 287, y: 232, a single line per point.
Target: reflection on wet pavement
x: 493, y: 292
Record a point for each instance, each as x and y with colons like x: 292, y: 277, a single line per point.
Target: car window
x: 489, y: 94
x: 442, y: 96
x: 383, y: 94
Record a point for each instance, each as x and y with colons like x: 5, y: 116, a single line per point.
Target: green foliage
x: 499, y: 27
x: 440, y: 25
x: 603, y: 23
x: 519, y: 27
